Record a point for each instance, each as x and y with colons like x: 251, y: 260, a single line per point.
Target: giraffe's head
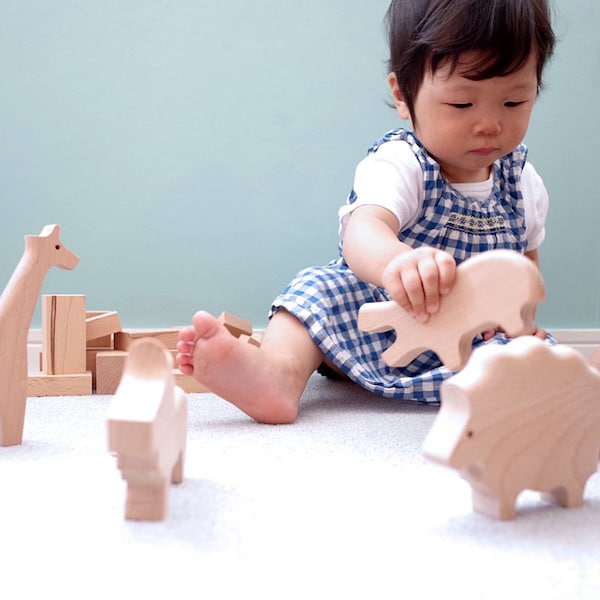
x: 55, y: 252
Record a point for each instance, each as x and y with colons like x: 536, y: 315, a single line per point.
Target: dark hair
x: 425, y: 34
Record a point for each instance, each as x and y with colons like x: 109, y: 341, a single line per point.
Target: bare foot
x: 265, y: 383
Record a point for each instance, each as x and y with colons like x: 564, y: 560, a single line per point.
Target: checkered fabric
x: 326, y: 299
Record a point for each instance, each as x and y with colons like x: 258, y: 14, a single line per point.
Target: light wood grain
x: 499, y: 288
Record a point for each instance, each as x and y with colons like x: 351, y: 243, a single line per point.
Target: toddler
x: 466, y: 74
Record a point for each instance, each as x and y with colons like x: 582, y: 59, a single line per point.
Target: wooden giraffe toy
x: 499, y: 288
x: 17, y: 303
x: 147, y: 429
x: 519, y: 416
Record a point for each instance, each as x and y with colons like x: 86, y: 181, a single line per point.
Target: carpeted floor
x: 339, y: 505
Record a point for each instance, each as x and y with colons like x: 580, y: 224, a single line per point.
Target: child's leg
x: 267, y: 382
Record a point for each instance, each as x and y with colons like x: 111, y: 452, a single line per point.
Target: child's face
x: 466, y: 125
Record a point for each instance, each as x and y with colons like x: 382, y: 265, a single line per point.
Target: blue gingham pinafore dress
x: 326, y: 299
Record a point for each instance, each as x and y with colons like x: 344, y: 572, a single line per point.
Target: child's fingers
x: 417, y: 279
x: 412, y: 285
x: 489, y: 334
x: 429, y: 274
x: 447, y: 271
x: 437, y: 271
x: 542, y: 334
x: 404, y: 280
x: 402, y: 299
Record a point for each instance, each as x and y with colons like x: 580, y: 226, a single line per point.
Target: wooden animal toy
x: 519, y: 416
x: 147, y: 429
x: 499, y: 288
x: 17, y: 303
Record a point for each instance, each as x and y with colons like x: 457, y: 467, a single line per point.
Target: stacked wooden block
x: 83, y: 351
x: 63, y: 363
x: 108, y: 360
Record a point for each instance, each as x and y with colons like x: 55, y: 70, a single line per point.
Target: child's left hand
x: 488, y: 335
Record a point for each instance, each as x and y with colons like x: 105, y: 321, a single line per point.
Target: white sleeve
x: 391, y: 177
x: 535, y: 200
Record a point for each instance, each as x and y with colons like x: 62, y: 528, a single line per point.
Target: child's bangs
x: 483, y: 40
x: 486, y: 63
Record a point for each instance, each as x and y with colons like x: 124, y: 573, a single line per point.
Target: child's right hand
x: 417, y: 279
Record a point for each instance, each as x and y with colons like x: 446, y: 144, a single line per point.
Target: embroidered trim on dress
x: 472, y: 224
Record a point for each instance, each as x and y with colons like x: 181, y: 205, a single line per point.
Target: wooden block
x: 90, y: 357
x: 188, y: 384
x: 107, y: 341
x: 100, y: 327
x: 109, y: 370
x: 235, y: 325
x: 250, y: 339
x: 147, y: 429
x: 59, y: 385
x: 104, y: 343
x: 520, y: 416
x: 124, y: 339
x: 499, y: 288
x: 90, y: 361
x: 110, y: 367
x: 63, y: 326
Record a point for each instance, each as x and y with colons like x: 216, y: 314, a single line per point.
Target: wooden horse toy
x: 496, y: 288
x: 147, y: 429
x: 519, y: 416
x: 17, y: 303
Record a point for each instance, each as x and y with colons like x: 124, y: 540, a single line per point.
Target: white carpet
x: 339, y: 505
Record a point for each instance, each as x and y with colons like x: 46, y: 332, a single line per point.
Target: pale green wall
x: 195, y: 153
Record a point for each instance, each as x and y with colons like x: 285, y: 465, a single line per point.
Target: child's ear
x: 398, y: 97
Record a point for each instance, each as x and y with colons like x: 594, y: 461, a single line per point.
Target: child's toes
x: 185, y: 347
x: 187, y: 335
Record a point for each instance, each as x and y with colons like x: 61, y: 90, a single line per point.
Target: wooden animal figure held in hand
x: 499, y: 288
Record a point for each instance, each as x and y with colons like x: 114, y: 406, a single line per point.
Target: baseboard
x: 583, y: 340
x: 34, y: 337
x: 34, y: 347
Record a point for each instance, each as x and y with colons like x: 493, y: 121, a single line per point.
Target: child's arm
x: 415, y: 278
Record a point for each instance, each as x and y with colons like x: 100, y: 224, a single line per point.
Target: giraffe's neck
x: 19, y: 298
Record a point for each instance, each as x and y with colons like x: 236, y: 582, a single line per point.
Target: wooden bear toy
x: 520, y: 416
x: 147, y: 429
x: 496, y: 288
